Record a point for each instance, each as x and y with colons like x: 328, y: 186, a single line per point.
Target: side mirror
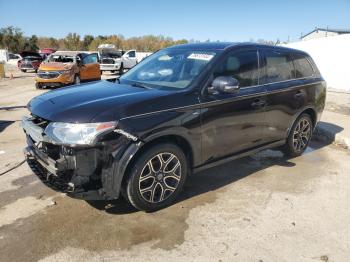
x: 224, y: 84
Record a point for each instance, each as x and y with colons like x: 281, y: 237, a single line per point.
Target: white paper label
x: 199, y: 56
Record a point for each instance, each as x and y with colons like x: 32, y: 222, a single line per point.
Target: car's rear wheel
x: 157, y: 177
x: 76, y: 80
x: 299, y: 136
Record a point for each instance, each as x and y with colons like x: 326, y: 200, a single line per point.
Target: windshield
x: 60, y: 58
x: 169, y: 68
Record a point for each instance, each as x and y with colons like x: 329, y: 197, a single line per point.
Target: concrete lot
x: 260, y: 208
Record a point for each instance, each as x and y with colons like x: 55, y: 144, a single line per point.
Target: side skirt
x: 239, y: 155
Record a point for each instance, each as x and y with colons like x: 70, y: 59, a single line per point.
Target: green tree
x: 31, y: 43
x: 53, y: 43
x: 72, y: 41
x: 12, y: 39
x: 87, y: 41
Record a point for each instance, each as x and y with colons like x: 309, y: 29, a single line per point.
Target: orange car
x: 68, y: 67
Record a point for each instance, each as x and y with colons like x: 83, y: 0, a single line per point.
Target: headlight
x: 64, y: 71
x: 77, y: 134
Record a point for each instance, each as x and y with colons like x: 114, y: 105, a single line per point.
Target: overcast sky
x: 222, y: 20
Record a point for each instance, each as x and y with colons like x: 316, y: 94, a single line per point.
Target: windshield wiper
x: 137, y: 84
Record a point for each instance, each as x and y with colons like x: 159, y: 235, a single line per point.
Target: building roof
x: 339, y: 31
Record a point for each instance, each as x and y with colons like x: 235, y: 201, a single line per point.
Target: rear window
x: 303, y: 67
x: 279, y: 67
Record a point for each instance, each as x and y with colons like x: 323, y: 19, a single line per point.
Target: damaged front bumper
x: 89, y: 173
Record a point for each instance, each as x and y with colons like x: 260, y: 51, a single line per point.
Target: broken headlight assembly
x: 77, y: 134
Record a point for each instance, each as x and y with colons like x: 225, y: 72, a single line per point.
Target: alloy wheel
x: 160, y: 177
x: 302, y: 134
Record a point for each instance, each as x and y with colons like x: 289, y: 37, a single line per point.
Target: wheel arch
x: 176, y: 139
x: 308, y: 110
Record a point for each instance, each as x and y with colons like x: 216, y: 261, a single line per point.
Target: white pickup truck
x: 113, y: 60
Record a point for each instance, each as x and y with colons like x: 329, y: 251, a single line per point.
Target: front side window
x: 241, y: 65
x: 90, y: 59
x: 302, y: 66
x: 132, y: 54
x: 169, y: 69
x: 279, y: 67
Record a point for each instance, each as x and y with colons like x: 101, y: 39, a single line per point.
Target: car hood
x: 30, y: 53
x: 100, y: 101
x: 47, y: 66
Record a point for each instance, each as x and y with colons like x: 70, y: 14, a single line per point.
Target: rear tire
x: 299, y: 136
x: 156, y: 177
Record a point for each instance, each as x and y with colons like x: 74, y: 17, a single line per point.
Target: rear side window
x: 279, y: 67
x: 303, y: 67
x: 241, y: 65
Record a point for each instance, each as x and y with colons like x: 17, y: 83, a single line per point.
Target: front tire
x: 23, y: 70
x: 38, y: 86
x: 299, y: 136
x: 121, y: 69
x: 157, y: 177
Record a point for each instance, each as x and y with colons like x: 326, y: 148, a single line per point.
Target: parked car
x: 68, y: 67
x: 13, y: 59
x: 47, y: 51
x: 30, y: 61
x: 114, y: 60
x: 184, y: 109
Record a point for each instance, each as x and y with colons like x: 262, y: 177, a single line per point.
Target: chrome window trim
x: 229, y: 99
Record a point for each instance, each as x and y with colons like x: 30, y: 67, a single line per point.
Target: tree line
x: 13, y: 39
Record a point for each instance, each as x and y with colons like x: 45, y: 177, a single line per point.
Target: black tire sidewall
x: 121, y: 69
x: 132, y: 186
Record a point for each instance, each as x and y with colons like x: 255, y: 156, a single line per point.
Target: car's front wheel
x: 38, y: 86
x: 299, y: 136
x: 157, y: 177
x: 121, y: 69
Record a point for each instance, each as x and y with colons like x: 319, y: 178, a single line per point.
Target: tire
x: 38, y: 86
x: 299, y: 136
x: 156, y: 177
x: 23, y: 70
x: 121, y: 69
x: 76, y: 80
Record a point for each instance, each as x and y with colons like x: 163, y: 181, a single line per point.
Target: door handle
x: 299, y: 94
x: 258, y: 103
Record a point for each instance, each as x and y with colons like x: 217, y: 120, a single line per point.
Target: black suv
x: 181, y: 110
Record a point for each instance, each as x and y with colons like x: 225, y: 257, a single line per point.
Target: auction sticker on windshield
x: 200, y: 56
